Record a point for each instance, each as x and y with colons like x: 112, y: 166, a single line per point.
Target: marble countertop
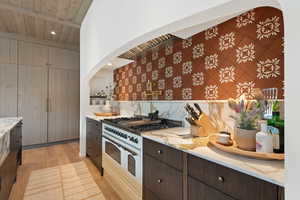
x: 268, y: 170
x: 6, y: 124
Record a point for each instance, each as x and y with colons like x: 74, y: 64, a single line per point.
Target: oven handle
x: 121, y: 146
x: 113, y: 142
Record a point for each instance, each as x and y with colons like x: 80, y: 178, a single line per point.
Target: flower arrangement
x: 248, y: 112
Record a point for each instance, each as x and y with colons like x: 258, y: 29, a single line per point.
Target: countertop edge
x: 12, y: 125
x: 234, y: 167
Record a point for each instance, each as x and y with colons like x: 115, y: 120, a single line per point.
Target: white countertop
x: 270, y: 171
x: 6, y: 124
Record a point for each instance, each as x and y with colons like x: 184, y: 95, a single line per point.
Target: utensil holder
x: 197, y: 131
x: 207, y: 127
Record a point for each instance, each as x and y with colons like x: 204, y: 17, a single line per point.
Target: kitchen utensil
x: 197, y: 106
x: 205, y: 122
x: 197, y: 131
x: 270, y: 95
x: 191, y: 122
x: 191, y: 111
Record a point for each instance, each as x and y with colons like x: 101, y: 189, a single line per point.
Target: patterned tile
x: 218, y: 63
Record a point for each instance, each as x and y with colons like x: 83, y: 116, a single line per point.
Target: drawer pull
x: 159, y: 152
x: 221, y: 179
x: 159, y: 180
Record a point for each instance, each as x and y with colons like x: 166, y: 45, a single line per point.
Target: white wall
x: 102, y: 79
x: 112, y: 27
x: 291, y: 16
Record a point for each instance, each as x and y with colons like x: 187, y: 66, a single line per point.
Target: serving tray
x: 252, y: 154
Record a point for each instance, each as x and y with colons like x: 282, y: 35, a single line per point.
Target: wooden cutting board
x: 106, y: 114
x: 143, y: 122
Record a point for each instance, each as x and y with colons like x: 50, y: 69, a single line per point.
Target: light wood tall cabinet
x: 63, y: 95
x: 40, y: 84
x: 33, y: 92
x: 8, y: 77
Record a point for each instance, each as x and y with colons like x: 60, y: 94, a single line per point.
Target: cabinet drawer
x: 234, y: 183
x: 163, y: 153
x: 198, y: 190
x: 163, y: 181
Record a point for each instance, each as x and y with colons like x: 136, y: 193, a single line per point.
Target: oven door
x: 113, y: 150
x: 133, y: 162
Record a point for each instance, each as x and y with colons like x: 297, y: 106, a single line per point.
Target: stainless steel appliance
x: 124, y: 148
x: 122, y: 141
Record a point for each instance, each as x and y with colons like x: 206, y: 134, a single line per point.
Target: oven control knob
x: 136, y: 140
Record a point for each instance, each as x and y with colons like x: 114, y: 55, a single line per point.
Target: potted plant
x: 247, y: 115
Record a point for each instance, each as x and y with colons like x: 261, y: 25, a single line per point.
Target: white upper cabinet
x: 33, y: 54
x: 63, y: 59
x: 8, y: 51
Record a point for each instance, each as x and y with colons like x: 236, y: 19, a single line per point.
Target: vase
x: 245, y: 139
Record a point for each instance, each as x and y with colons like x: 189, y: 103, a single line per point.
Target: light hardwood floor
x: 55, y: 155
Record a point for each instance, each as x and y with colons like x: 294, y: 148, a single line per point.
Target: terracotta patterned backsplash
x: 224, y: 61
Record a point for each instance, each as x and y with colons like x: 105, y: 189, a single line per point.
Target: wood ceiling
x: 37, y: 18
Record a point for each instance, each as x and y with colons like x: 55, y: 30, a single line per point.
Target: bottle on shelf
x: 276, y: 127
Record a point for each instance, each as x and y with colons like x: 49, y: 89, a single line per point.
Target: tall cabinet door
x: 58, y: 105
x: 33, y: 91
x: 33, y: 103
x: 63, y: 95
x: 8, y: 78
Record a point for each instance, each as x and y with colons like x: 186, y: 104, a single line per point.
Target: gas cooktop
x: 142, y: 124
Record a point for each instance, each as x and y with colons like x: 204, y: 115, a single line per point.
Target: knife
x: 191, y: 122
x: 198, y: 108
x: 188, y: 110
x: 192, y: 112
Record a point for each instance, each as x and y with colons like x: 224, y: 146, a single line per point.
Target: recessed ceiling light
x: 53, y: 33
x: 109, y: 64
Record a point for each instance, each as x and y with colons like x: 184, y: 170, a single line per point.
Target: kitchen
x: 195, y: 108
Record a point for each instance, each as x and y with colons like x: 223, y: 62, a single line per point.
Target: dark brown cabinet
x: 280, y: 193
x: 199, y: 191
x: 8, y: 169
x: 231, y: 182
x: 163, y: 153
x: 172, y: 174
x: 162, y: 172
x: 164, y: 181
x: 94, y: 142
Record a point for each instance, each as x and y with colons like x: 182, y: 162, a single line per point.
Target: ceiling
x: 37, y: 18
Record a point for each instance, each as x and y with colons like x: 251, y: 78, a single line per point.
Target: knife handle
x: 198, y: 108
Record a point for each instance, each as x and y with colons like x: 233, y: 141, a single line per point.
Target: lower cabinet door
x: 200, y: 191
x: 161, y: 181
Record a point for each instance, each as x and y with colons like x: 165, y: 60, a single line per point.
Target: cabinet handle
x: 48, y: 109
x: 159, y: 152
x: 159, y: 181
x: 221, y: 179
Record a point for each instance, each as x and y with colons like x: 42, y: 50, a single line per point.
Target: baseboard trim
x: 48, y: 144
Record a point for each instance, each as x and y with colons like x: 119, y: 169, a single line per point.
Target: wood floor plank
x: 51, y: 156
